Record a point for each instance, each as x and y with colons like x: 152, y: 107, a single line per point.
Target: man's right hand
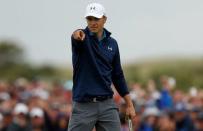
x: 79, y: 35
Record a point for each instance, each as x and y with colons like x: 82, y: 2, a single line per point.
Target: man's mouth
x: 93, y: 27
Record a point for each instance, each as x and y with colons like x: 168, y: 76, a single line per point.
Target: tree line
x: 187, y: 72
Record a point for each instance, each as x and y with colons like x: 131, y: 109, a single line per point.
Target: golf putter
x: 130, y: 126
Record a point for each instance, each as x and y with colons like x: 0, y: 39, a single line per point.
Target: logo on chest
x: 110, y: 48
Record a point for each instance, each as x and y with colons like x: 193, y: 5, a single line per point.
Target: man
x: 199, y: 124
x: 182, y: 119
x: 37, y: 119
x: 20, y: 120
x: 96, y: 65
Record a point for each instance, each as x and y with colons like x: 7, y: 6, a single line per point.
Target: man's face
x: 179, y: 116
x: 37, y: 121
x: 94, y: 24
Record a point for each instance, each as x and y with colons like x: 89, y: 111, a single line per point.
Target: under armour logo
x: 92, y: 8
x: 110, y: 48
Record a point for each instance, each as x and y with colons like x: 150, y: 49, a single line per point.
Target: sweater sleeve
x: 118, y: 78
x: 76, y: 43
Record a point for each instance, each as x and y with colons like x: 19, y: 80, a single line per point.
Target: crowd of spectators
x: 166, y: 108
x: 34, y: 106
x: 43, y: 106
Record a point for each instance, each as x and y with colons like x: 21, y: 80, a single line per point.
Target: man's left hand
x: 130, y: 110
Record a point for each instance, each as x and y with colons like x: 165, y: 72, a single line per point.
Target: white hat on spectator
x: 41, y: 93
x: 36, y: 112
x: 20, y: 108
x: 21, y: 82
x: 151, y: 111
x: 4, y: 96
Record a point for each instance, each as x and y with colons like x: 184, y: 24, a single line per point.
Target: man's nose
x: 93, y: 23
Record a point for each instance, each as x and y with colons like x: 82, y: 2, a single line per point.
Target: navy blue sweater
x: 96, y: 65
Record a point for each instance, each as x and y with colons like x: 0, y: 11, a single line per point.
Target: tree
x: 12, y: 64
x: 10, y: 53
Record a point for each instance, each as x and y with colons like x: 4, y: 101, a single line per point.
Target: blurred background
x: 161, y: 47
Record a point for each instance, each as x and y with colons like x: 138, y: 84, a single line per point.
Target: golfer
x: 96, y: 66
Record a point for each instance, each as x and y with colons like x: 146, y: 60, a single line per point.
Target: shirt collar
x: 103, y: 35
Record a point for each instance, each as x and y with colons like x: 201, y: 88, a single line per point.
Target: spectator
x: 150, y: 117
x: 7, y: 119
x: 51, y: 117
x: 62, y: 122
x: 199, y: 126
x: 154, y: 94
x: 166, y: 101
x: 183, y: 121
x: 37, y: 120
x: 166, y: 123
x: 20, y: 120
